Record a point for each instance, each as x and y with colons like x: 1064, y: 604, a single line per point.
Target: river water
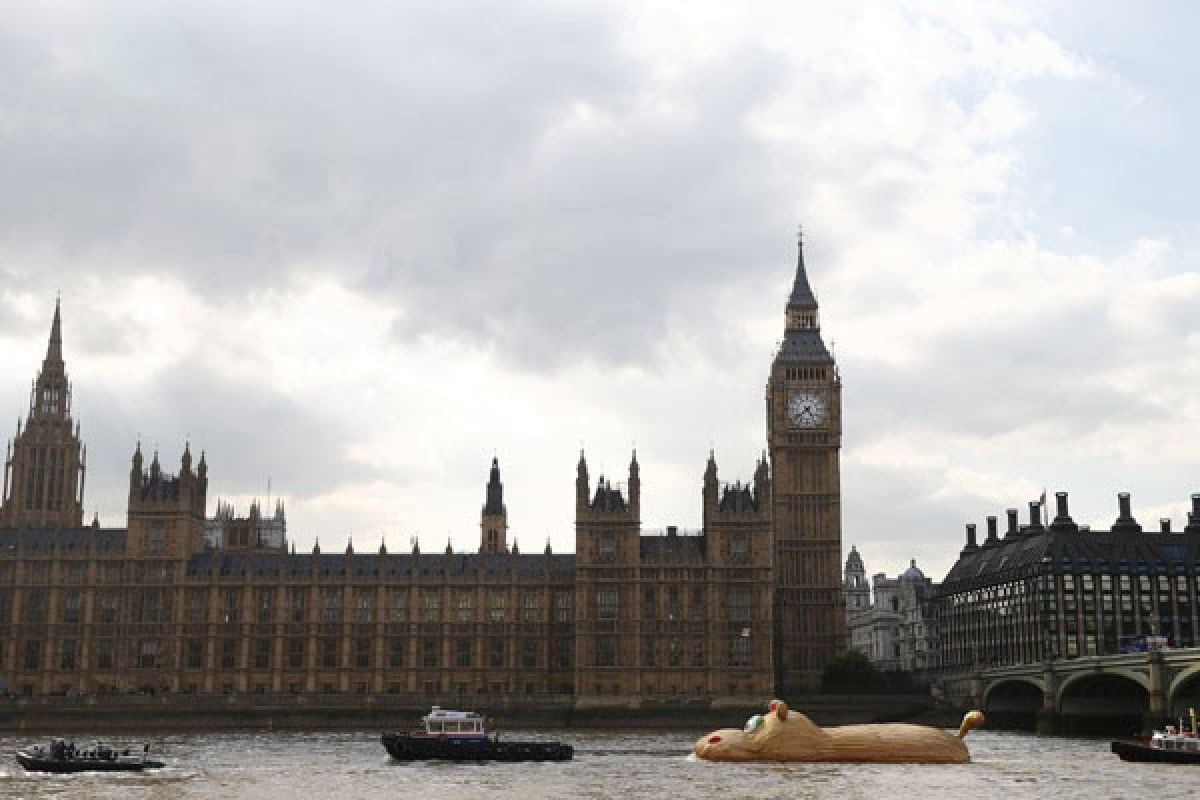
x: 341, y: 766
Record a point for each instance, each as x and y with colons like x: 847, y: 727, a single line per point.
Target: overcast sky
x: 357, y: 249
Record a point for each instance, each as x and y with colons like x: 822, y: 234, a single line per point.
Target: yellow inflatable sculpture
x: 782, y: 736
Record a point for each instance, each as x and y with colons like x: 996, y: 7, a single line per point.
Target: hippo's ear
x: 780, y: 709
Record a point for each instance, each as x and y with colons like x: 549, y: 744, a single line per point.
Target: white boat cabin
x: 440, y: 722
x: 1172, y: 739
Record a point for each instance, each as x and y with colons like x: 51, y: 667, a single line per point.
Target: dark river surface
x: 333, y: 766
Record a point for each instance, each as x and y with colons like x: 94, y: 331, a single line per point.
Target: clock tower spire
x: 804, y: 433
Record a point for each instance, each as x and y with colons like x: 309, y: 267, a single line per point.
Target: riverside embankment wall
x: 162, y: 713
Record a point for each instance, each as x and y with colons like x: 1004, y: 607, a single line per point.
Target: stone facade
x: 898, y: 631
x: 174, y: 602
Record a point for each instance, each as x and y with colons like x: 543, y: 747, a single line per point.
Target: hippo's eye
x: 753, y: 723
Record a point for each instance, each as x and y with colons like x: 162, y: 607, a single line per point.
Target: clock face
x: 806, y: 409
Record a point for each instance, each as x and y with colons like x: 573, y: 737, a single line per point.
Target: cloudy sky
x: 357, y: 249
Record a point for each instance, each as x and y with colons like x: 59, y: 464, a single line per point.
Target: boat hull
x: 405, y: 747
x: 62, y: 765
x: 1136, y: 751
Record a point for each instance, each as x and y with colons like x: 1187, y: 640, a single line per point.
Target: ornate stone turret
x: 166, y: 512
x: 493, y: 523
x: 855, y: 587
x: 45, y: 463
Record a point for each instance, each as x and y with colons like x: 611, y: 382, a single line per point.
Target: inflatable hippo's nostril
x: 714, y: 740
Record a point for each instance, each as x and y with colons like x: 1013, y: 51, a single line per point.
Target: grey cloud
x: 405, y: 149
x: 249, y: 432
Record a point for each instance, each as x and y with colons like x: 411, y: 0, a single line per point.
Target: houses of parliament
x: 177, y: 602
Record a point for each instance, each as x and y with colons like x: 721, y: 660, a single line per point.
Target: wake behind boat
x: 61, y: 756
x: 462, y: 736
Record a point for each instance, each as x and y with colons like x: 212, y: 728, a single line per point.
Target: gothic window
x: 262, y: 653
x: 564, y: 653
x: 396, y: 652
x: 496, y: 653
x: 158, y: 538
x: 464, y: 603
x: 331, y: 605
x: 649, y: 646
x: 362, y: 653
x: 606, y: 651
x: 264, y: 604
x: 295, y: 657
x: 296, y: 603
x: 73, y: 607
x: 103, y: 653
x: 462, y: 657
x: 674, y: 653
x: 329, y: 652
x: 364, y: 601
x: 195, y: 654
x: 649, y: 604
x: 431, y: 605
x: 606, y: 548
x: 672, y: 602
x: 529, y: 653
x: 531, y: 607
x: 740, y: 604
x: 606, y: 602
x: 398, y: 602
x: 497, y: 605
x: 562, y: 607
x: 233, y: 605
x: 147, y: 655
x: 739, y: 652
x: 429, y: 653
x: 35, y: 606
x: 67, y: 655
x: 739, y: 548
x: 33, y: 654
x: 228, y: 653
x: 698, y: 654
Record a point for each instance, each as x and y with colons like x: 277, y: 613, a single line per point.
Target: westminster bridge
x: 1130, y: 690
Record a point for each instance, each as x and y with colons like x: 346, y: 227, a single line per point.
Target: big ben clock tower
x: 804, y: 432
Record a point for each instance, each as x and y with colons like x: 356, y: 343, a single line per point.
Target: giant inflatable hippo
x: 782, y: 736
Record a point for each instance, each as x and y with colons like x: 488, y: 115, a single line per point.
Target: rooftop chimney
x: 1035, y: 516
x: 1062, y: 519
x: 1125, y: 521
x: 1193, y: 523
x: 1164, y: 525
x: 971, y: 545
x: 1012, y: 523
x: 991, y: 534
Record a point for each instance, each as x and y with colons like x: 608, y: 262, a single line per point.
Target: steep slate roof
x: 673, y: 548
x: 1037, y: 551
x: 63, y: 540
x: 339, y: 565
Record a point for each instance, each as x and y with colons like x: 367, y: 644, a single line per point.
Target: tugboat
x: 1175, y: 745
x: 462, y: 736
x: 62, y: 756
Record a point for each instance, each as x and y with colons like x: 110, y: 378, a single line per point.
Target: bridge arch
x: 1102, y: 700
x: 1078, y: 679
x: 1005, y: 688
x: 1183, y: 692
